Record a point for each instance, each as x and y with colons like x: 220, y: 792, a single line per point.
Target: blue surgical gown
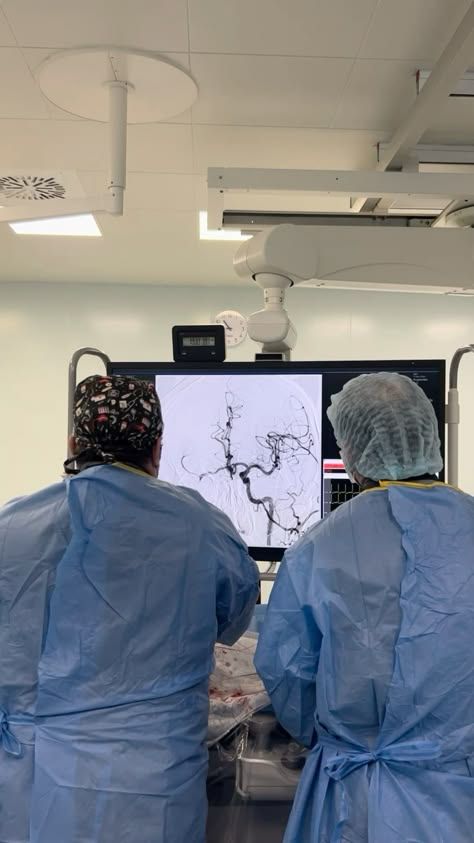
x: 367, y: 653
x: 113, y: 590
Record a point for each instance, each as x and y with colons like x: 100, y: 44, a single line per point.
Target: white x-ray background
x: 268, y: 415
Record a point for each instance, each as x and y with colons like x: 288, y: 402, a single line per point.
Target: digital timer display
x: 199, y: 343
x: 193, y: 342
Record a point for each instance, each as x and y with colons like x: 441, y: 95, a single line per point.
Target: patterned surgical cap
x: 116, y: 414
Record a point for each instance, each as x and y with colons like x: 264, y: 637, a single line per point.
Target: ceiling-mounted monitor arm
x: 72, y: 383
x: 453, y: 415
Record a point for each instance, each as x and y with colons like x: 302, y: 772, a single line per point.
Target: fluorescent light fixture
x: 463, y: 88
x: 82, y: 225
x: 218, y: 234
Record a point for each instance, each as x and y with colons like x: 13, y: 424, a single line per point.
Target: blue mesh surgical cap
x: 386, y: 428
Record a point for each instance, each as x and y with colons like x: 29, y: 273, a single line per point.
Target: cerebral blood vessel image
x: 251, y: 445
x: 289, y: 444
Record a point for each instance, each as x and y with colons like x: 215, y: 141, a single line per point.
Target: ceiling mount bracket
x: 107, y: 84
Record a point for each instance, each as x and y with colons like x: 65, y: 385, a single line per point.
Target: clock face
x: 235, y: 326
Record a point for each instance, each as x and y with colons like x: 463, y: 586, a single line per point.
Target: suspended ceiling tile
x: 244, y: 146
x: 148, y: 191
x: 44, y: 144
x: 160, y: 148
x: 20, y: 96
x: 144, y: 24
x: 142, y: 247
x: 378, y: 94
x: 267, y: 90
x: 33, y: 57
x: 297, y: 28
x: 6, y: 34
x: 83, y: 145
x: 412, y: 29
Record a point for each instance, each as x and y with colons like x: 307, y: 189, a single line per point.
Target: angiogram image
x: 250, y: 444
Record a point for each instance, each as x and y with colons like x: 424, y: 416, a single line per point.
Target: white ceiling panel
x: 412, y: 29
x: 378, y: 94
x: 297, y: 28
x: 145, y: 24
x: 45, y: 144
x: 141, y: 248
x: 243, y: 146
x: 82, y: 145
x: 19, y: 94
x: 33, y: 57
x: 6, y: 35
x: 160, y: 148
x: 148, y: 191
x: 268, y: 90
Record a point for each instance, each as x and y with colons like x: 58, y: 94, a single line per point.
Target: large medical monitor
x: 254, y: 438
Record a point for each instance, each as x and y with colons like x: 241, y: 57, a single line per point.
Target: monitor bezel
x: 131, y: 368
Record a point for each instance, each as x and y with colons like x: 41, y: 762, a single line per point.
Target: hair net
x: 386, y: 428
x: 116, y: 414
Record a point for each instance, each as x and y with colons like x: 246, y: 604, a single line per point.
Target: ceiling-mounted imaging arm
x: 72, y: 383
x: 453, y: 415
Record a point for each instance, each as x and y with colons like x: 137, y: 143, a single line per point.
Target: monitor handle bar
x: 76, y: 357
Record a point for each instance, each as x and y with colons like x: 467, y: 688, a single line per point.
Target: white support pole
x: 453, y: 415
x: 118, y: 96
x: 452, y: 421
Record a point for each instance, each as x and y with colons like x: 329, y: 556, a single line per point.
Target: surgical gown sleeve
x: 237, y: 580
x: 288, y: 649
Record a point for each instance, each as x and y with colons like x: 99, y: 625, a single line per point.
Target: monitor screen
x: 254, y: 438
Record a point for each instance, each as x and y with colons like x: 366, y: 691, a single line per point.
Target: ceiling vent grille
x: 29, y: 187
x: 18, y: 187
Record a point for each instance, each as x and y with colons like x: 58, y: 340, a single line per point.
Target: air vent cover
x: 31, y: 187
x: 17, y: 187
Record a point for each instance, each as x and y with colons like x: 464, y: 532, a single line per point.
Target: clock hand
x: 227, y: 325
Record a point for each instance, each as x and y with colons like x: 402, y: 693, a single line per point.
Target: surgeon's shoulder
x: 334, y: 526
x: 48, y: 496
x: 210, y: 517
x: 49, y: 502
